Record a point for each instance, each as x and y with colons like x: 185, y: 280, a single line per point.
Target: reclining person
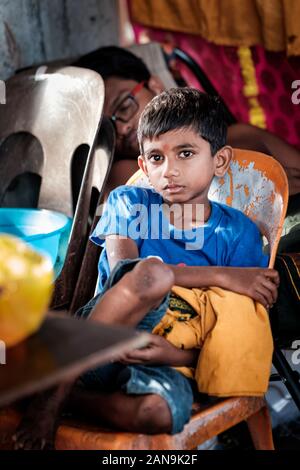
x: 129, y: 86
x: 209, y: 293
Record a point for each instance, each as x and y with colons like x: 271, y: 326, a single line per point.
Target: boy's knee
x: 151, y: 270
x: 153, y: 416
x: 153, y: 279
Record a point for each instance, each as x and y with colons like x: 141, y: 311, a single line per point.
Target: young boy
x: 182, y: 137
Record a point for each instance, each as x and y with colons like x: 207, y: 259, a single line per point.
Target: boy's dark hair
x: 184, y: 108
x: 114, y: 61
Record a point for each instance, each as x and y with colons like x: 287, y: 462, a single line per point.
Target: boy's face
x: 116, y: 91
x: 180, y: 166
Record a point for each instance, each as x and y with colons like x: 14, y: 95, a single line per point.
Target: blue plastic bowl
x: 46, y: 231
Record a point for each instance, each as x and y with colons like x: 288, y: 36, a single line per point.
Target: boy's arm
x: 118, y: 248
x: 160, y: 352
x: 258, y: 283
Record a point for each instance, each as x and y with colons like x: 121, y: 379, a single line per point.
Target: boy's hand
x: 260, y: 284
x: 160, y: 351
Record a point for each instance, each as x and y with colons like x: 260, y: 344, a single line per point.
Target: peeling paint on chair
x: 248, y: 189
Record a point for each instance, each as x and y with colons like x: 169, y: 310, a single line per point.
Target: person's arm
x: 244, y: 269
x: 258, y: 283
x: 112, y: 228
x: 119, y: 247
x: 160, y: 352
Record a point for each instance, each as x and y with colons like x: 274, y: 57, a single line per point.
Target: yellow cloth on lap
x: 234, y: 336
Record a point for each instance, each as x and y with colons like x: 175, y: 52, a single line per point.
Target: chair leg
x: 260, y: 428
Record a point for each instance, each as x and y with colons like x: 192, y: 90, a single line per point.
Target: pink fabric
x: 274, y: 74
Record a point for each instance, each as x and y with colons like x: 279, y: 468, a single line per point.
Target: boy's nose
x: 170, y: 170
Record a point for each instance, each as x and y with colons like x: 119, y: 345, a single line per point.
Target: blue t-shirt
x: 227, y: 238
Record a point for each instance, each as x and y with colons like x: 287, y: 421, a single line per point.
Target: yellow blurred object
x: 274, y: 24
x: 26, y: 283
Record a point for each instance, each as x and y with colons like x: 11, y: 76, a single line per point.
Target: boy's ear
x: 155, y: 84
x: 222, y: 160
x: 142, y: 164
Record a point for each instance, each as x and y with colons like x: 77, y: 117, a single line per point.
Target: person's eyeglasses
x: 128, y: 106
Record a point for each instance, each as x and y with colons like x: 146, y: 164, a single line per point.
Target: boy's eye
x: 155, y: 158
x: 186, y: 153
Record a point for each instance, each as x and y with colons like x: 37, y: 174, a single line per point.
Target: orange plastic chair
x: 257, y: 185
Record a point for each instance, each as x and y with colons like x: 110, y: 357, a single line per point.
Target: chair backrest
x: 73, y: 284
x: 61, y: 108
x: 51, y: 121
x: 257, y: 185
x: 86, y: 282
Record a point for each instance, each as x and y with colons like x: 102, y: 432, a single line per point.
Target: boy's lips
x: 173, y: 188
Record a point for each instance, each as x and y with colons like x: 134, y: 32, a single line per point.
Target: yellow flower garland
x: 250, y: 89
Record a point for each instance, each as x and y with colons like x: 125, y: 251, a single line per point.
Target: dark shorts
x: 175, y: 388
